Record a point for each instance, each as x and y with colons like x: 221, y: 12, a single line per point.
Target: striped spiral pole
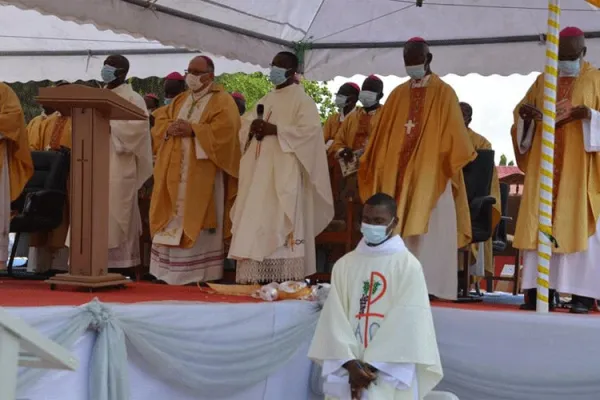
x: 547, y: 164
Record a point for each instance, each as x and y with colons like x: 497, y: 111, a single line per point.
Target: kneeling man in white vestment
x: 375, y: 338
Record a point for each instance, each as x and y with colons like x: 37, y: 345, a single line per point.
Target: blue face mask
x: 416, y: 72
x: 367, y: 98
x: 168, y: 101
x: 277, y: 75
x: 569, y: 68
x: 375, y: 234
x: 108, y: 73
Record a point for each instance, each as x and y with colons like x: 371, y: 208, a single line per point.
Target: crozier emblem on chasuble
x: 369, y: 322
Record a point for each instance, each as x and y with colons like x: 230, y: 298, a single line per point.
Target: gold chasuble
x: 54, y: 132
x: 481, y: 143
x: 161, y: 113
x: 16, y: 167
x: 576, y: 180
x: 332, y: 125
x: 195, y: 186
x: 354, y: 134
x: 14, y: 148
x: 416, y: 154
x: 355, y: 131
x: 34, y: 129
x: 419, y: 145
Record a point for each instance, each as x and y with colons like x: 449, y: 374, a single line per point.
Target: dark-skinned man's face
x: 378, y: 215
x: 416, y: 53
x: 467, y: 113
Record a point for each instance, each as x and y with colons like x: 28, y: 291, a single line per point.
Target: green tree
x: 502, y: 160
x: 255, y: 86
x: 511, y: 163
x: 322, y: 96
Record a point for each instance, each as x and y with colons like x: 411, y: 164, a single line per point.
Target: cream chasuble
x: 378, y: 312
x: 203, y: 261
x: 284, y: 198
x: 574, y: 264
x: 416, y: 154
x: 130, y: 168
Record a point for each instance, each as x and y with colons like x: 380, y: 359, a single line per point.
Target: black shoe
x: 531, y: 300
x: 581, y: 304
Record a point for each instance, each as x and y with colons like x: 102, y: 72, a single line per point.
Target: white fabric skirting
x: 502, y: 356
x: 175, y: 350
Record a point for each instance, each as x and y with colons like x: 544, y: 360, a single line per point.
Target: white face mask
x: 367, y: 98
x: 416, y: 72
x: 194, y: 82
x: 341, y: 100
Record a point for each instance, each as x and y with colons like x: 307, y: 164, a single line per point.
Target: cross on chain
x: 409, y: 126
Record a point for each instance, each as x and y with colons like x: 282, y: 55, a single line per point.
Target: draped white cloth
x: 175, y: 351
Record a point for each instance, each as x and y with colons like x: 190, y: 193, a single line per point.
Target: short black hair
x: 383, y: 199
x: 292, y: 57
x: 119, y: 61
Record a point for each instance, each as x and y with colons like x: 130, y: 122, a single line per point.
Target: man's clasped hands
x: 565, y: 113
x: 180, y: 128
x: 361, y: 376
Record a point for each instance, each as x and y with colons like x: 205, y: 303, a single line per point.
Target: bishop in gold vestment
x: 575, y: 202
x: 416, y: 155
x: 47, y: 249
x: 16, y: 167
x: 345, y: 100
x: 195, y: 180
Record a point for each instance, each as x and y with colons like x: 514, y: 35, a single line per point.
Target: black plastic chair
x: 478, y: 176
x: 40, y: 206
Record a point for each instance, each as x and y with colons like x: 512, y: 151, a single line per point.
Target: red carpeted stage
x: 21, y: 293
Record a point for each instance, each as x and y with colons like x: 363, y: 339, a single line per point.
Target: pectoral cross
x: 409, y: 126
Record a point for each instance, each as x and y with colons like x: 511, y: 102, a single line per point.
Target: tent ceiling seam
x: 91, y: 53
x: 218, y: 5
x: 214, y: 24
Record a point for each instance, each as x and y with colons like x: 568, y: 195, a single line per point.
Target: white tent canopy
x: 344, y: 37
x: 35, y: 47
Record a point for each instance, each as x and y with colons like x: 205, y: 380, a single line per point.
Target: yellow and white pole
x: 547, y: 165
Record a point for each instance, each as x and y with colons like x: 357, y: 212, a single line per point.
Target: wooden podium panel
x: 91, y: 111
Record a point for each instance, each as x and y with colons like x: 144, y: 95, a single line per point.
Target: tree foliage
x: 504, y: 161
x: 253, y: 86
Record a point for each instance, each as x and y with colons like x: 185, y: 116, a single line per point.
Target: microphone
x: 260, y: 111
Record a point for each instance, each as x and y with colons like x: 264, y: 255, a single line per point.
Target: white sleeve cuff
x: 328, y: 144
x: 200, y: 153
x: 525, y: 139
x: 334, y: 367
x: 591, y: 133
x: 401, y: 376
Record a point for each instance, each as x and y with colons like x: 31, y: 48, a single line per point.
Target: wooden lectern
x: 91, y: 111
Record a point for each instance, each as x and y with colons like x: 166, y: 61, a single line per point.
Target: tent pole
x: 545, y: 239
